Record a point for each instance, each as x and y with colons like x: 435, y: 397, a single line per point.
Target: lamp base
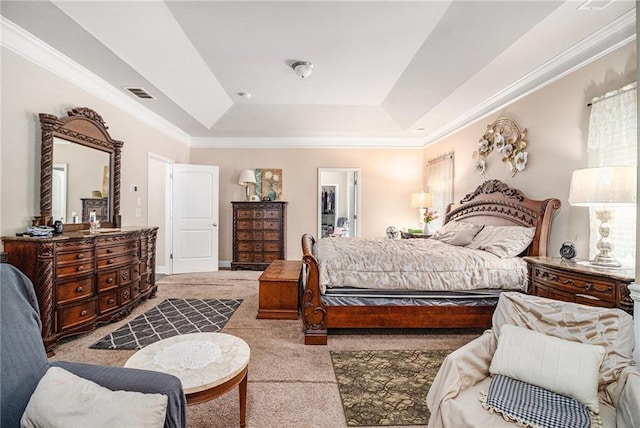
x: 605, y: 257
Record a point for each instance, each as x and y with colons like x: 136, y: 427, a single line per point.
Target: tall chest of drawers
x: 258, y: 234
x: 82, y: 280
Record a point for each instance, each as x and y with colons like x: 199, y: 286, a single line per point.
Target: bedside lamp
x: 422, y: 201
x: 247, y: 177
x: 606, y: 188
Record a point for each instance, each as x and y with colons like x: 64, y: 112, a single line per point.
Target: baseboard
x: 225, y: 264
x: 161, y: 269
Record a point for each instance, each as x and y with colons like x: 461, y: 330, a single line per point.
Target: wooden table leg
x: 243, y: 400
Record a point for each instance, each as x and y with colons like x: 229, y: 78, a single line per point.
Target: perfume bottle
x: 92, y: 221
x: 74, y: 217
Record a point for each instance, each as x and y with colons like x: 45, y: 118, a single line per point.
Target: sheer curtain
x: 612, y: 141
x: 439, y: 182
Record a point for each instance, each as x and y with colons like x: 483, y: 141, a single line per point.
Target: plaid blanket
x: 531, y: 406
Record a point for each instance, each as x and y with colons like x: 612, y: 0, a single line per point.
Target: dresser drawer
x: 257, y: 225
x: 74, y: 290
x: 244, y: 214
x: 269, y: 257
x: 75, y: 315
x: 115, y: 250
x: 246, y: 257
x: 115, y: 261
x: 271, y: 225
x: 272, y: 246
x: 108, y: 301
x: 145, y: 283
x: 244, y: 225
x: 125, y: 294
x: 245, y: 246
x: 135, y: 289
x: 79, y: 255
x: 244, y: 236
x: 272, y: 236
x: 72, y: 246
x: 69, y: 271
x: 571, y: 283
x: 107, y: 280
x: 272, y: 214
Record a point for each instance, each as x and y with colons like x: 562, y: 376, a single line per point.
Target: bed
x: 409, y: 299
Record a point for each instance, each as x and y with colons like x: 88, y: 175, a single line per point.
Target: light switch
x: 139, y: 201
x: 138, y: 212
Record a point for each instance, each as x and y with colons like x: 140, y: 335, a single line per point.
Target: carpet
x: 381, y: 388
x: 170, y: 318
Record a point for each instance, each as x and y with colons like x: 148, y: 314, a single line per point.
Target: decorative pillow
x: 531, y: 406
x: 565, y: 367
x: 457, y: 233
x: 503, y: 241
x: 63, y: 399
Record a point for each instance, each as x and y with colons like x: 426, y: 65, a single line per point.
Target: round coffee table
x: 207, y: 364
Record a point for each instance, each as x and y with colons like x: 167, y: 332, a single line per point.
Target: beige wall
x: 387, y: 179
x: 28, y: 90
x: 557, y: 121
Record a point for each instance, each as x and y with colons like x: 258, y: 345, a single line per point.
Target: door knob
x: 215, y: 224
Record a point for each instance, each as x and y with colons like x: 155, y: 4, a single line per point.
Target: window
x: 439, y: 182
x: 612, y: 141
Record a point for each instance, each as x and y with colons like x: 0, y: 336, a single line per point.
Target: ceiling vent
x: 595, y: 4
x: 140, y: 93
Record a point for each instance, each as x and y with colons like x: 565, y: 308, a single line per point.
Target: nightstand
x: 579, y: 282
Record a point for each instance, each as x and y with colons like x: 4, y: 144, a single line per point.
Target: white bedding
x: 414, y: 264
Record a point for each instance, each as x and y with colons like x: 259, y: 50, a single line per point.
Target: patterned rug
x: 170, y: 318
x: 386, y: 387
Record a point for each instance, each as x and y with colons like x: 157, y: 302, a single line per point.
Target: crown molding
x: 35, y: 50
x: 307, y: 143
x: 615, y: 35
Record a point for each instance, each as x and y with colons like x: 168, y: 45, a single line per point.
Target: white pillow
x: 564, y: 367
x: 63, y: 399
x: 503, y: 241
x: 457, y: 233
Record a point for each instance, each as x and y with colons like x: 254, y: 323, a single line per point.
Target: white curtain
x: 439, y: 182
x: 612, y: 141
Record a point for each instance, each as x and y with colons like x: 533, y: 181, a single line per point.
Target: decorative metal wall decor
x: 507, y: 138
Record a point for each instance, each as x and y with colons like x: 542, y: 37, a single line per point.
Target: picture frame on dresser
x: 82, y: 277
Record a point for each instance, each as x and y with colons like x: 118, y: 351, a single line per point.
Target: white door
x: 59, y: 192
x: 195, y: 218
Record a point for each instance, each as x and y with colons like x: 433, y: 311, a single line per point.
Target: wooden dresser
x: 577, y: 282
x: 84, y: 279
x: 258, y: 234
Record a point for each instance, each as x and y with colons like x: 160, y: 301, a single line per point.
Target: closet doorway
x: 338, y: 202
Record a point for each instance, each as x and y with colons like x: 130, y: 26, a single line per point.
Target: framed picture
x: 269, y: 184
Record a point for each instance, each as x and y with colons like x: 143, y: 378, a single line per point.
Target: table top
x: 200, y: 360
x: 583, y: 267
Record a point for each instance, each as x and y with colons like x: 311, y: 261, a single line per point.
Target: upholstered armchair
x: 24, y: 362
x: 464, y: 377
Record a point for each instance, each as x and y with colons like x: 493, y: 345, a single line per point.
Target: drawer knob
x: 110, y: 301
x: 109, y: 280
x: 109, y: 251
x: 588, y: 286
x: 79, y: 289
x: 81, y: 256
x: 110, y: 261
x: 80, y: 268
x: 83, y: 313
x: 125, y: 294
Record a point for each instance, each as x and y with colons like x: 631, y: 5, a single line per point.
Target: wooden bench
x: 279, y: 296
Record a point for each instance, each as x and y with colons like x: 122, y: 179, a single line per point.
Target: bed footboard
x: 314, y: 311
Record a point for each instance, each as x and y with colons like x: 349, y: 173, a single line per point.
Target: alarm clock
x: 393, y: 232
x: 568, y: 251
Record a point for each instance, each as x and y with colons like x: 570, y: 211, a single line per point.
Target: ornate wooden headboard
x: 495, y: 203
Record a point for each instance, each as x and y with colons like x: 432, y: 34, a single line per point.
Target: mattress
x: 413, y: 264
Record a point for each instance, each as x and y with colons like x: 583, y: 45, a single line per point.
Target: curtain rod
x: 439, y: 158
x: 626, y: 88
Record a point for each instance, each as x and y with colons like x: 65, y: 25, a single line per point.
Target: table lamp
x: 247, y: 177
x: 605, y: 188
x: 422, y: 201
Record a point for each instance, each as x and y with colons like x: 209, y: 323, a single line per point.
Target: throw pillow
x: 457, y: 233
x: 565, y: 367
x: 63, y: 399
x: 503, y: 241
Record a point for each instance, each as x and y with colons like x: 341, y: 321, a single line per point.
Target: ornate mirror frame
x: 85, y: 127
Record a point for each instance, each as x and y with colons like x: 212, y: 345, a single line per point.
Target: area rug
x: 170, y: 318
x: 381, y: 388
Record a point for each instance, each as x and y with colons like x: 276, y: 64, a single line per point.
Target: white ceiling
x: 383, y: 69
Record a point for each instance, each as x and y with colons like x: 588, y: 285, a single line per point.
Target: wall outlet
x: 138, y: 212
x: 133, y: 188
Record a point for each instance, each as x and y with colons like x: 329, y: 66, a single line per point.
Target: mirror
x: 79, y: 170
x: 338, y: 202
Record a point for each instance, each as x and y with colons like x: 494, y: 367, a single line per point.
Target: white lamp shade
x: 420, y: 200
x: 612, y: 185
x: 247, y: 177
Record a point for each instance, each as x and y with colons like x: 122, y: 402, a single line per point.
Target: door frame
x: 168, y: 197
x: 357, y: 197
